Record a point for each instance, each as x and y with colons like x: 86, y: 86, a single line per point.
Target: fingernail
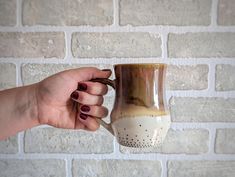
x: 74, y: 95
x: 85, y: 108
x: 106, y: 70
x: 83, y: 116
x: 82, y: 87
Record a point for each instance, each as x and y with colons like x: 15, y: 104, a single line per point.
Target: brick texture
x: 35, y: 168
x: 202, y: 109
x: 167, y: 12
x: 226, y: 12
x: 222, y: 72
x: 188, y: 141
x: 32, y: 45
x: 85, y: 45
x: 7, y: 75
x: 9, y: 145
x: 194, y: 45
x: 187, y: 77
x: 52, y: 140
x: 201, y: 168
x: 32, y: 73
x: 68, y: 12
x: 225, y: 141
x: 116, y: 168
x: 7, y: 12
x: 196, y: 38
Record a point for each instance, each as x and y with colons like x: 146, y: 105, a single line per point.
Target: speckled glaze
x: 140, y: 107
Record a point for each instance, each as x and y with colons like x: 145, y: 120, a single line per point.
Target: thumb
x: 88, y: 73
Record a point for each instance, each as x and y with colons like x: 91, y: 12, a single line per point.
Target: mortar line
x: 212, y: 137
x: 18, y: 13
x: 211, y: 78
x: 214, y: 13
x: 116, y: 149
x: 198, y: 93
x: 113, y: 28
x: 202, y: 125
x: 68, y: 161
x: 164, y: 168
x: 164, y: 46
x: 115, y: 60
x: 122, y: 156
x: 116, y: 13
x: 68, y: 55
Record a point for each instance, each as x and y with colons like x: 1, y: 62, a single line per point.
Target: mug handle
x: 111, y: 83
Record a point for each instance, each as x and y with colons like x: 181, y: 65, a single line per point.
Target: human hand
x: 55, y: 101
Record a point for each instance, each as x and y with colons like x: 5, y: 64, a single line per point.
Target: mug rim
x: 141, y: 64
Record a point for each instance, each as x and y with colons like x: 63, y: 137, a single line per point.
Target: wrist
x: 18, y: 110
x: 33, y: 96
x: 27, y: 105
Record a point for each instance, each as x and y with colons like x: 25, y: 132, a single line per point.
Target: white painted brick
x: 187, y: 141
x: 38, y: 41
x: 7, y: 12
x: 167, y: 12
x: 202, y: 109
x: 67, y: 12
x: 225, y: 141
x: 137, y: 44
x: 201, y: 168
x: 32, y: 73
x: 7, y: 75
x: 52, y: 140
x: 194, y: 45
x: 187, y: 77
x: 32, y: 44
x: 9, y: 145
x: 225, y: 77
x: 116, y: 168
x: 226, y: 12
x: 35, y: 168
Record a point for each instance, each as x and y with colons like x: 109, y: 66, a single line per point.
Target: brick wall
x: 195, y: 37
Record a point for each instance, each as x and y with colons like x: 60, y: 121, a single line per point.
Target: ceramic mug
x: 140, y: 116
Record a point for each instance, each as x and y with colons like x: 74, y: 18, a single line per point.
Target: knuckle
x: 96, y: 111
x: 81, y: 96
x: 100, y: 100
x: 105, y: 89
x: 95, y: 127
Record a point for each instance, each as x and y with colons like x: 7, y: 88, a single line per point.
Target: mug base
x: 141, y: 131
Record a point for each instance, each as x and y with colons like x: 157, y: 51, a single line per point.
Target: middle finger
x: 94, y: 88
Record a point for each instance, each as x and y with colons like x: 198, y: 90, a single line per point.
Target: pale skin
x: 51, y: 102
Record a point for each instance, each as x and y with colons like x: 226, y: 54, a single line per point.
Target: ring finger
x: 96, y: 111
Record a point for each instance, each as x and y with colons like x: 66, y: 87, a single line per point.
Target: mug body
x: 140, y: 116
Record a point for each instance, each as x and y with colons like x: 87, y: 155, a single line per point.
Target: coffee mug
x: 140, y: 116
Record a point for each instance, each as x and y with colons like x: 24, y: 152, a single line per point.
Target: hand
x: 55, y: 101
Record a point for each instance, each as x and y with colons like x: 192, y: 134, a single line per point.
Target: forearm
x: 18, y: 110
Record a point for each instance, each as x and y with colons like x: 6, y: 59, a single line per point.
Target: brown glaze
x: 139, y: 90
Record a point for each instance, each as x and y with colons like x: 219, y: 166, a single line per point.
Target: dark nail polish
x: 83, y: 116
x: 82, y: 87
x: 75, y: 95
x: 106, y: 70
x: 85, y: 108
